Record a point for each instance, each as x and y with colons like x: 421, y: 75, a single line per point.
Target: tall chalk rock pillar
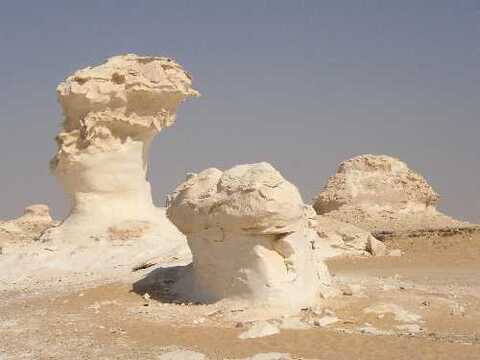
x: 112, y: 112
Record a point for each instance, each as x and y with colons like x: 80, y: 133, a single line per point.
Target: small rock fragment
x: 214, y: 313
x: 456, y: 309
x: 199, y: 321
x: 346, y: 290
x: 399, y: 313
x: 410, y: 329
x: 325, y: 321
x: 293, y: 324
x: 395, y: 252
x: 259, y: 329
x: 182, y: 355
x: 426, y: 303
x: 269, y: 356
x: 376, y: 247
x: 371, y: 330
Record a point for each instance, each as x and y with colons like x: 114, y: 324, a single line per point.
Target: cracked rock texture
x: 250, y: 237
x: 380, y: 193
x: 112, y: 112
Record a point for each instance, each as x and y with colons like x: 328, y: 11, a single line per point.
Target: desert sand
x: 238, y: 265
x: 422, y: 305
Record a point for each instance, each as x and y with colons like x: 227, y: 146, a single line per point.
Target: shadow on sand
x: 164, y: 284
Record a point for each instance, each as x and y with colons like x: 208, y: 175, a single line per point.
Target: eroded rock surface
x: 112, y: 112
x: 337, y: 238
x: 250, y: 237
x: 380, y: 193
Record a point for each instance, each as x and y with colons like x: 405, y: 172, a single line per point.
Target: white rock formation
x: 112, y: 112
x: 380, y: 193
x: 28, y: 227
x: 249, y: 236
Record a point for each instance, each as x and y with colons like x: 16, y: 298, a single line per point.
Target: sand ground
x: 437, y: 281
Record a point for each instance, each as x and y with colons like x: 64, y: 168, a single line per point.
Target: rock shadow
x: 166, y: 284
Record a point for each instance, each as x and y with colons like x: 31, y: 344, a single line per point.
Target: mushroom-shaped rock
x: 250, y: 237
x: 111, y: 114
x: 380, y: 193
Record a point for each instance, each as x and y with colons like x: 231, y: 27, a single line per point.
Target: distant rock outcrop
x: 250, y: 237
x: 34, y: 221
x: 380, y: 193
x: 112, y: 112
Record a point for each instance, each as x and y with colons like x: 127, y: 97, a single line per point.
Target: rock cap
x: 250, y: 198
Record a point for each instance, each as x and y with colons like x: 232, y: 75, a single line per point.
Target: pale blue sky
x: 301, y: 84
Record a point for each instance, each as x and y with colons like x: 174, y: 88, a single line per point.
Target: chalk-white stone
x: 326, y: 320
x: 182, y: 355
x: 259, y: 329
x: 112, y: 112
x: 376, y: 247
x: 269, y: 356
x: 398, y: 312
x: 395, y: 252
x: 380, y: 193
x: 337, y: 238
x: 35, y: 219
x: 250, y: 237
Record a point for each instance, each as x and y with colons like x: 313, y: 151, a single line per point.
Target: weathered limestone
x: 380, y: 193
x: 28, y: 227
x: 250, y: 237
x: 112, y: 112
x: 338, y: 238
x: 376, y: 247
